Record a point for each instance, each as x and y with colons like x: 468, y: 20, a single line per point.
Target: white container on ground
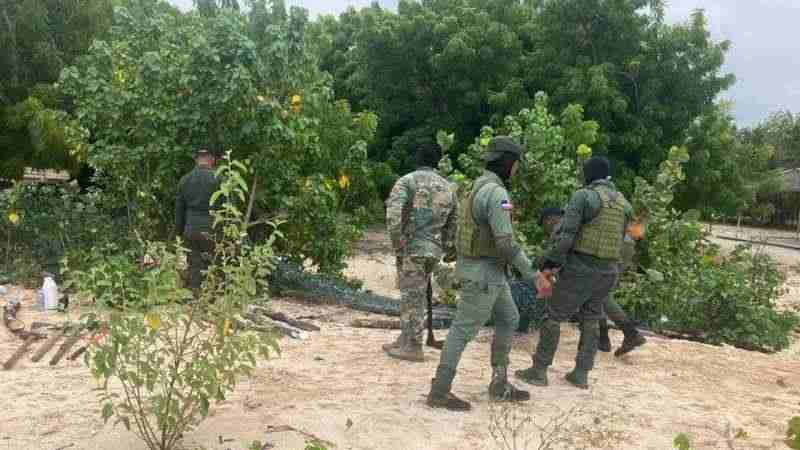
x: 49, y: 294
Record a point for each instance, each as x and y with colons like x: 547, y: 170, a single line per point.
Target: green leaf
x: 681, y: 442
x: 793, y: 433
x: 107, y: 412
x: 655, y: 275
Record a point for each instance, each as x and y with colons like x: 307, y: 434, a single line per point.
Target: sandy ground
x: 338, y: 386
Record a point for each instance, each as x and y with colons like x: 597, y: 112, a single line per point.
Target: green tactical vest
x: 475, y: 240
x: 603, y: 236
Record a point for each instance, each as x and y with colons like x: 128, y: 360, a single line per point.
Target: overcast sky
x: 765, y: 57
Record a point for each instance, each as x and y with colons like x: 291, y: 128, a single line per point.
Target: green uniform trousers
x: 200, y: 248
x: 480, y: 301
x: 583, y: 293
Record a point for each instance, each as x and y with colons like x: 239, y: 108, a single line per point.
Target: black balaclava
x: 428, y: 155
x: 502, y: 166
x: 596, y: 168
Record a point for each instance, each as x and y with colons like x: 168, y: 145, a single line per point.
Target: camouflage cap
x: 499, y: 145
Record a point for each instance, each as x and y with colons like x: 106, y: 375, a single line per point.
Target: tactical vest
x: 603, y: 236
x: 475, y: 240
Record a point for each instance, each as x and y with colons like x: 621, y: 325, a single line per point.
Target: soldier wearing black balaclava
x: 549, y: 220
x: 586, y: 251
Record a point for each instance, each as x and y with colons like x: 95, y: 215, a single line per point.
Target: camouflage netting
x: 290, y: 276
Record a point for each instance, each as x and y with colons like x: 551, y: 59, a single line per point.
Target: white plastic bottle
x: 50, y: 294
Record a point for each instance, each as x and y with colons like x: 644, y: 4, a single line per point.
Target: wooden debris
x: 281, y: 317
x: 8, y: 365
x: 384, y: 324
x: 65, y: 346
x: 48, y: 344
x: 286, y: 329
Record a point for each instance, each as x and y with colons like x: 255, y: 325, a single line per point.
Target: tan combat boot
x: 408, y: 351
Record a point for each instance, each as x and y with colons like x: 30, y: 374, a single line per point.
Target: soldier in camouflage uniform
x: 486, y: 248
x: 192, y: 217
x: 587, y: 252
x: 421, y: 220
x: 551, y: 217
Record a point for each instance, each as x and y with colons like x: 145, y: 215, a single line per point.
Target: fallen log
x: 281, y: 317
x: 65, y: 346
x: 48, y: 344
x: 288, y: 330
x: 8, y: 365
x: 384, y: 324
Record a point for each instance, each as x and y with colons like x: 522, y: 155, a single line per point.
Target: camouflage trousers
x: 413, y: 278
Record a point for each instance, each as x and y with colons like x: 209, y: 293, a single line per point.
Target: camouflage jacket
x: 421, y: 214
x: 193, y: 201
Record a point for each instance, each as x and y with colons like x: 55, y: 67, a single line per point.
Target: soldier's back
x: 432, y: 203
x: 196, y: 188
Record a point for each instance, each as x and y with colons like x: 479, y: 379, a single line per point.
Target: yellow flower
x: 584, y: 150
x: 153, y: 321
x: 296, y: 99
x: 13, y: 218
x: 344, y: 181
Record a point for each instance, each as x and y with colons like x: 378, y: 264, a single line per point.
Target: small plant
x: 173, y: 359
x: 513, y: 428
x: 793, y: 433
x: 681, y: 442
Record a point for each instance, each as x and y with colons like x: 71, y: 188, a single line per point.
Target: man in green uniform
x: 550, y: 219
x: 421, y: 220
x: 486, y: 247
x: 192, y: 217
x: 587, y: 252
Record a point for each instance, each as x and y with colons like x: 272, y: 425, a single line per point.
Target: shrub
x: 173, y: 360
x: 40, y: 224
x: 687, y: 285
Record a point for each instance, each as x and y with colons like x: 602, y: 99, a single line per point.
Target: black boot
x: 549, y: 336
x: 584, y: 360
x: 501, y: 390
x: 632, y: 339
x: 536, y: 376
x: 604, y: 343
x: 440, y: 395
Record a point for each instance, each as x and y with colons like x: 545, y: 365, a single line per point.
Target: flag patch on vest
x: 506, y: 205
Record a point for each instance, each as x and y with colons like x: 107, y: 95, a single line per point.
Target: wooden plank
x: 8, y: 365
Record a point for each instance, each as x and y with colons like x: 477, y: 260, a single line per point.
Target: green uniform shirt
x: 584, y: 206
x: 488, y: 208
x: 192, y: 204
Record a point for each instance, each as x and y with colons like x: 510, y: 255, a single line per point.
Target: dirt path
x: 339, y: 386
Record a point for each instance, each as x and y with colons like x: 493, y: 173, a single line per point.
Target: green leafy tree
x: 686, y: 285
x: 546, y: 175
x: 726, y: 172
x: 37, y: 39
x: 780, y: 130
x: 166, y: 82
x: 642, y: 80
x: 460, y: 64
